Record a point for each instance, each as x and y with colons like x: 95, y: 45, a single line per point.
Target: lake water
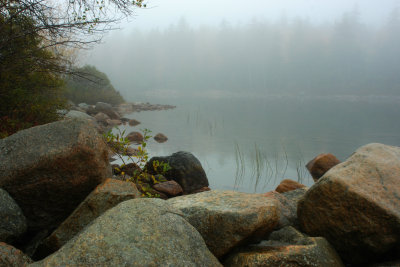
x: 251, y: 144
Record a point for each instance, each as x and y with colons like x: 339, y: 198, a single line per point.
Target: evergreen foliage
x: 30, y: 91
x: 91, y: 86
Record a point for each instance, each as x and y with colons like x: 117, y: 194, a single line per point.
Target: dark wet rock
x: 160, y: 138
x: 355, y: 205
x: 288, y: 185
x: 12, y: 257
x: 227, y: 219
x: 48, y: 170
x: 13, y: 221
x: 171, y: 188
x: 287, y: 247
x: 105, y: 196
x: 321, y: 164
x: 186, y: 170
x: 138, y: 232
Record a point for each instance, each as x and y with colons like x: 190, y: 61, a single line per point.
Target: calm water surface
x: 250, y: 145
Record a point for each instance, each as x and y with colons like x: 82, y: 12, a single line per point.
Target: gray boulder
x: 49, y: 169
x: 12, y: 257
x: 102, y: 198
x: 74, y: 114
x: 287, y: 206
x: 355, y: 205
x: 137, y: 232
x: 186, y: 170
x: 108, y: 110
x: 287, y: 247
x: 227, y: 219
x: 13, y: 221
x: 84, y: 106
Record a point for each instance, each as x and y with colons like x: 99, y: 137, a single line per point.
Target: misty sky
x: 162, y: 13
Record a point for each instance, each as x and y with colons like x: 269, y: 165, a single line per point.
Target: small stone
x: 135, y: 137
x: 321, y: 164
x: 288, y: 185
x: 133, y: 122
x: 160, y: 138
x: 170, y: 188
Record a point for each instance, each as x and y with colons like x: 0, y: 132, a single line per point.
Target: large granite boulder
x: 12, y: 257
x: 287, y: 247
x: 227, y: 219
x: 355, y: 205
x: 186, y: 170
x: 49, y: 169
x: 13, y: 221
x: 137, y: 232
x: 105, y: 196
x: 322, y: 163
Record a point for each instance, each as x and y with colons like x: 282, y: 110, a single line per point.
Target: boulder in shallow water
x: 49, y: 169
x: 135, y: 137
x: 186, y: 170
x: 227, y: 219
x: 137, y: 232
x: 160, y: 138
x: 321, y: 164
x: 288, y: 185
x: 355, y: 205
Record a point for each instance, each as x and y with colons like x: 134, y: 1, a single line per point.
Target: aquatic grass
x: 266, y: 168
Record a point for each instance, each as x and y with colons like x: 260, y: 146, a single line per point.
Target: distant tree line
x: 260, y: 57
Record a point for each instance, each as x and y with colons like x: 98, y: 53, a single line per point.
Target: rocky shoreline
x: 61, y: 205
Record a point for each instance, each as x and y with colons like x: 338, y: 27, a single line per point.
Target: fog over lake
x: 260, y: 95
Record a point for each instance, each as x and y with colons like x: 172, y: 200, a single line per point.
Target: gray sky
x: 161, y: 13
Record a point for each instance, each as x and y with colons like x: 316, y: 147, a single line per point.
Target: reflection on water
x: 251, y: 145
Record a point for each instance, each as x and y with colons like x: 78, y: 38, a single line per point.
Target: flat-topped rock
x: 227, y: 219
